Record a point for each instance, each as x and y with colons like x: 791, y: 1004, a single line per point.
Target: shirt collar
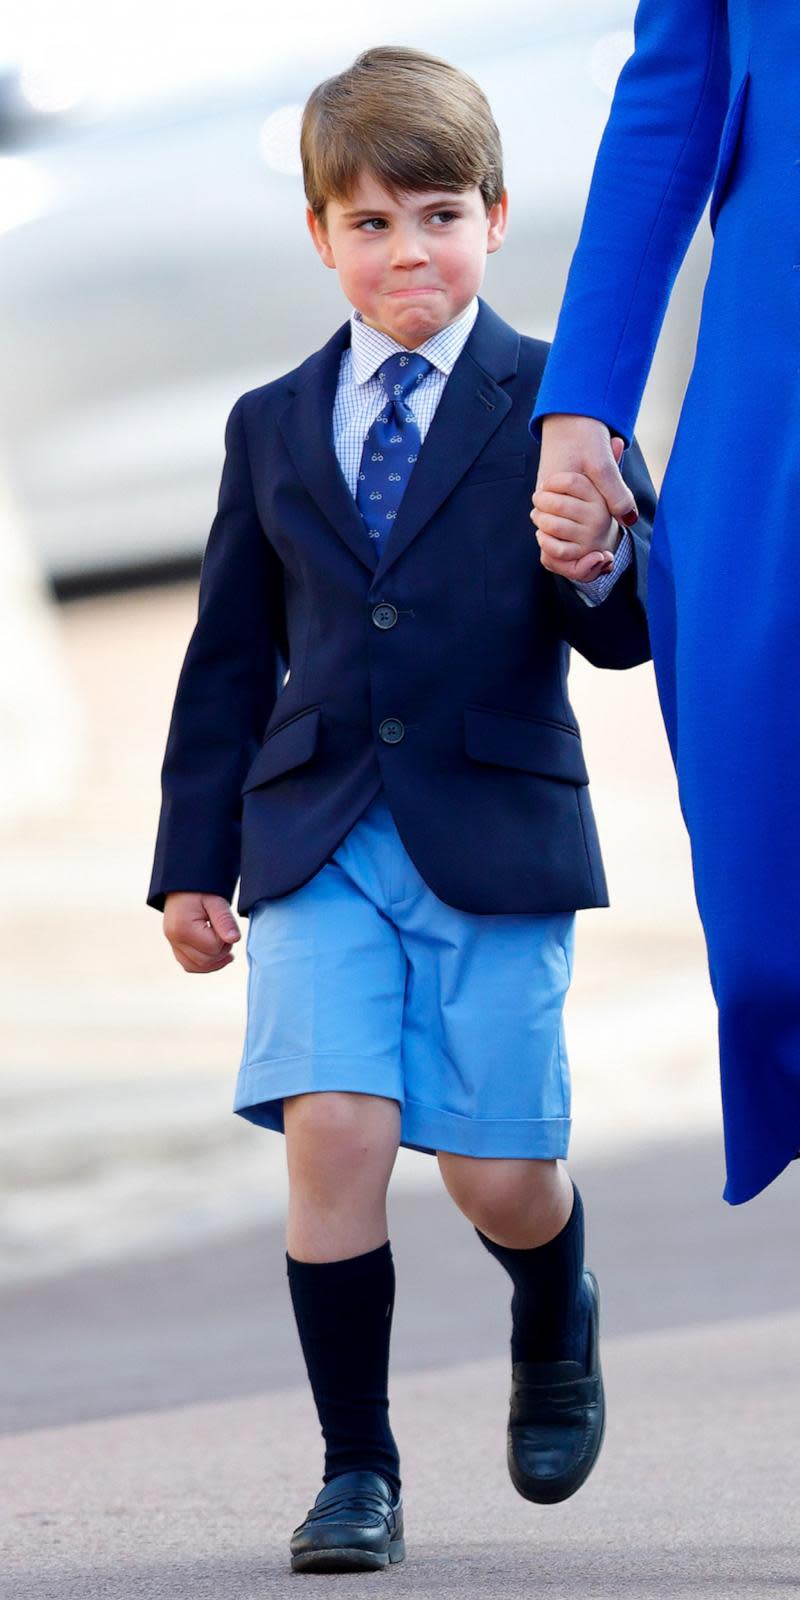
x: 369, y: 347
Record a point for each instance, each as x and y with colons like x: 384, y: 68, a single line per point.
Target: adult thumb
x: 613, y: 487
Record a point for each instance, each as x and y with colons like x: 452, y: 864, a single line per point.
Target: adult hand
x: 201, y: 928
x: 583, y: 444
x: 574, y: 531
x: 580, y: 455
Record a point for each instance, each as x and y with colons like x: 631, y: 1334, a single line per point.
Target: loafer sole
x: 349, y: 1559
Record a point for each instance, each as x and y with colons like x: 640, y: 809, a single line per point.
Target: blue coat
x: 438, y: 670
x: 709, y: 103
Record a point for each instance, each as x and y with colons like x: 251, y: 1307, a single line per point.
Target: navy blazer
x: 437, y: 670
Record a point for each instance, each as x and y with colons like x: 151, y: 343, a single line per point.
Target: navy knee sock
x: 344, y: 1318
x: 549, y: 1306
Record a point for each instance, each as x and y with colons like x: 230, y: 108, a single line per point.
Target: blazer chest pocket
x: 287, y: 746
x: 531, y: 744
x: 728, y: 149
x: 498, y: 468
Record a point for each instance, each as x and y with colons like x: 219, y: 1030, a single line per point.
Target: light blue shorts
x: 362, y: 980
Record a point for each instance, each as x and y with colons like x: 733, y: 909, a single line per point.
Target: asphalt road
x: 159, y: 1439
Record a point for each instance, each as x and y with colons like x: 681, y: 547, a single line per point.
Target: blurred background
x: 153, y: 265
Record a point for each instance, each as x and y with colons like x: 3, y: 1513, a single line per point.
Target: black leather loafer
x: 353, y: 1526
x: 557, y: 1419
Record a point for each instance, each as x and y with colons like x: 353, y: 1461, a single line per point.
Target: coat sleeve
x: 652, y: 177
x: 614, y: 633
x: 227, y: 687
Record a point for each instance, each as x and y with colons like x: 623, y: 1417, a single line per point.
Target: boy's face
x: 409, y: 263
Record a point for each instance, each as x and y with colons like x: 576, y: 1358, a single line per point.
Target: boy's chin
x: 414, y: 323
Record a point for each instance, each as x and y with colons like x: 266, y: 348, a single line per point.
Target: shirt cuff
x: 594, y: 593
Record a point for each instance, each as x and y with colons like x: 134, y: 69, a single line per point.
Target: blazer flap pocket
x: 497, y: 467
x: 728, y: 145
x: 287, y: 746
x: 533, y: 744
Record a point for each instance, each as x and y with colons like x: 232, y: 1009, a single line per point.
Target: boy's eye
x: 379, y: 224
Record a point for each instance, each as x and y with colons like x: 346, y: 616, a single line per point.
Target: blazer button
x: 384, y: 615
x: 391, y: 731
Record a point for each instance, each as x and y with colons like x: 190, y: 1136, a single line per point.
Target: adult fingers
x: 612, y: 486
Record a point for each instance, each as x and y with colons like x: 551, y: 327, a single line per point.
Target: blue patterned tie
x: 391, y: 447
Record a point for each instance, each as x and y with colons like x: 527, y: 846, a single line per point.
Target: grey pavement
x: 692, y: 1496
x: 213, y: 1322
x: 160, y: 1440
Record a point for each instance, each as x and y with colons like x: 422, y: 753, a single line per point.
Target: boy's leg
x: 322, y: 1062
x: 340, y: 1152
x: 530, y: 1217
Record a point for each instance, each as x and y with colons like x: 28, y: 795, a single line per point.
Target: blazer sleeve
x: 226, y: 690
x: 651, y: 180
x: 614, y: 633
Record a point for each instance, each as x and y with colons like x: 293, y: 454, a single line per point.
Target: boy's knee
x: 339, y: 1135
x: 502, y: 1196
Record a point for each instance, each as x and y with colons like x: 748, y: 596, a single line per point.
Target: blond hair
x: 409, y: 118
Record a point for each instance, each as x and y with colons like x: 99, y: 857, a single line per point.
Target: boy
x: 413, y: 829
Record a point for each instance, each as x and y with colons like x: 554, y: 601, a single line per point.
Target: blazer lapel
x: 470, y: 411
x: 307, y: 428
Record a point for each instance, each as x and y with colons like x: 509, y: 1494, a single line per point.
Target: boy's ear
x: 497, y: 218
x: 319, y: 234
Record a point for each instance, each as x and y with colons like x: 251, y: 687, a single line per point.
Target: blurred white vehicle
x: 154, y: 263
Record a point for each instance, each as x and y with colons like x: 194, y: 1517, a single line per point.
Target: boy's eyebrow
x: 364, y: 211
x: 424, y: 205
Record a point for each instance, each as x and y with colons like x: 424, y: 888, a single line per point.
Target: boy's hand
x: 575, y: 531
x: 201, y: 928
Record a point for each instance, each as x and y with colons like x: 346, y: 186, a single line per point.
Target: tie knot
x: 400, y: 373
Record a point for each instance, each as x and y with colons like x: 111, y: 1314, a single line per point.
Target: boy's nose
x: 409, y: 251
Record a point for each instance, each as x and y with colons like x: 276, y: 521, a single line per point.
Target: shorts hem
x: 264, y: 1085
x: 427, y: 1128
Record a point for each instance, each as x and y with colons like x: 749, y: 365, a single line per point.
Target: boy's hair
x: 411, y: 119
